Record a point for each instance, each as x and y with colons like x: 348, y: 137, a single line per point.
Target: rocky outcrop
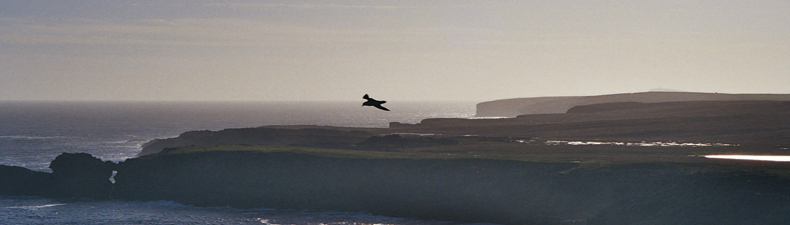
x: 74, y: 175
x: 548, y: 105
x: 80, y: 175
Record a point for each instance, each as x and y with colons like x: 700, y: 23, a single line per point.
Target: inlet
x: 773, y: 158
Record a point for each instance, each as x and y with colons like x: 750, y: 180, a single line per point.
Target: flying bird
x: 374, y: 102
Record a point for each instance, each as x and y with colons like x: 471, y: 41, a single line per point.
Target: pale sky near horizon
x: 393, y: 50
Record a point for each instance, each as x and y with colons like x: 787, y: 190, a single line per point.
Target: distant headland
x: 546, y: 105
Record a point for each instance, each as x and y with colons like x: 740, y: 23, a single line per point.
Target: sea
x: 32, y: 134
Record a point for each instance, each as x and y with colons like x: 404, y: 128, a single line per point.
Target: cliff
x: 469, y: 190
x: 520, y: 170
x: 549, y: 105
x: 440, y: 188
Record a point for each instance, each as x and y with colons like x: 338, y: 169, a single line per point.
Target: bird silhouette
x: 374, y: 102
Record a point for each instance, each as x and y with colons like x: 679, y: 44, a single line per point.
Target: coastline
x: 598, y: 164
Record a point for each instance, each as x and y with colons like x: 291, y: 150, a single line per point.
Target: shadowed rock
x: 16, y: 180
x: 80, y: 175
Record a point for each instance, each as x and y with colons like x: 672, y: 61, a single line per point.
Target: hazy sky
x: 392, y: 50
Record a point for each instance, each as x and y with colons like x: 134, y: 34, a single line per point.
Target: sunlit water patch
x: 773, y: 158
x: 414, y: 134
x: 640, y: 144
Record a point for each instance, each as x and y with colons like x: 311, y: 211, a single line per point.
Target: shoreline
x: 613, y: 163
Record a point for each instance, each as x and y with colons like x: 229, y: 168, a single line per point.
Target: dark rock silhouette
x: 16, y: 180
x: 468, y: 190
x: 80, y: 175
x: 374, y: 103
x: 74, y: 175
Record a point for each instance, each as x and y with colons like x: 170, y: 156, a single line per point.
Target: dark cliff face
x: 469, y: 190
x: 80, y: 175
x: 457, y: 190
x: 16, y: 180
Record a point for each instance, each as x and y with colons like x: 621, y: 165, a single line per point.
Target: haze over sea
x: 33, y: 133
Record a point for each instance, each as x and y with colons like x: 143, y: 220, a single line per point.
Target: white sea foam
x: 34, y: 207
x: 774, y: 158
x: 415, y: 134
x: 25, y: 137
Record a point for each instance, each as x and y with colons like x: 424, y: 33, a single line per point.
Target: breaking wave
x: 24, y: 137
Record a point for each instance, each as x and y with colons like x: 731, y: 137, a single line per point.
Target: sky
x: 208, y: 50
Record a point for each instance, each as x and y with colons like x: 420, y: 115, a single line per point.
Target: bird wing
x: 381, y: 107
x: 365, y: 97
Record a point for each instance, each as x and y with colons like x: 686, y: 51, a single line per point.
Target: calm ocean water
x: 33, y: 133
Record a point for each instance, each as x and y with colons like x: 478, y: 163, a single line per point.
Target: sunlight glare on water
x: 774, y: 158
